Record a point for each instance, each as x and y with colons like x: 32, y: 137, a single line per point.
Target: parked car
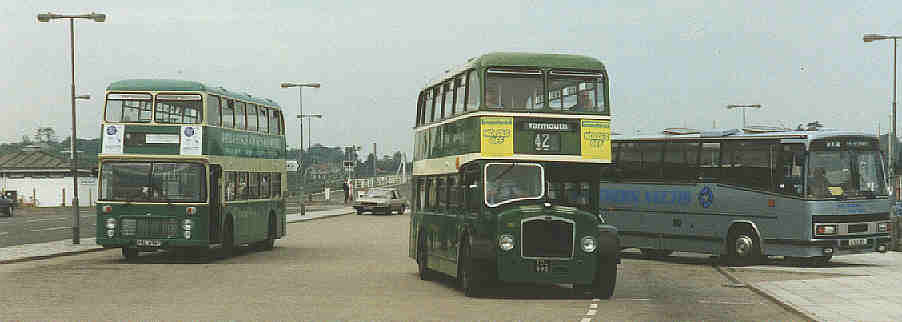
x: 6, y: 206
x: 381, y: 200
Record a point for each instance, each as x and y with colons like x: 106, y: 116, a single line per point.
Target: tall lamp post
x: 743, y: 107
x: 892, y: 136
x: 98, y: 17
x: 300, y: 86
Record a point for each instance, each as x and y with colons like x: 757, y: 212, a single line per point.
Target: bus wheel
x: 422, y: 258
x: 655, y: 253
x: 130, y: 254
x: 271, y: 236
x: 228, y: 240
x: 743, y: 248
x: 468, y: 277
x: 605, y: 278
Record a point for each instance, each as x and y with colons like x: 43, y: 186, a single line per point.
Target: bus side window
x: 709, y: 162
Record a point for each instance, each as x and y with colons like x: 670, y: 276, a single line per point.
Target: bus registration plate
x: 148, y: 243
x: 543, y: 266
x: 858, y: 242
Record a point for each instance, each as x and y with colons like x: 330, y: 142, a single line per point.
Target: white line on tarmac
x: 724, y: 302
x: 3, y: 233
x: 52, y: 228
x: 46, y: 219
x: 592, y: 312
x: 586, y: 320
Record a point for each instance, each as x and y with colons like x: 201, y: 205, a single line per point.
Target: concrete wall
x: 49, y: 192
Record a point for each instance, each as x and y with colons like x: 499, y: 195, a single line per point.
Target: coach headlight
x: 506, y: 242
x: 110, y: 223
x: 588, y: 244
x: 187, y: 224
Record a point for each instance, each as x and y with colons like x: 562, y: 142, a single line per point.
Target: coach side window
x: 240, y: 121
x: 430, y: 103
x: 460, y: 91
x: 448, y: 108
x: 474, y: 91
x: 252, y: 117
x: 228, y: 113
x: 651, y: 159
x: 680, y: 161
x: 709, y: 162
x: 793, y: 166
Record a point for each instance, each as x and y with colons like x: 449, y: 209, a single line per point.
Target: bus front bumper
x: 151, y: 243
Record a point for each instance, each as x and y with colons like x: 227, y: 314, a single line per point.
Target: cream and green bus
x: 189, y: 166
x: 508, y: 150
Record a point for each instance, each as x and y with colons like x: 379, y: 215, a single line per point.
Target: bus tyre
x: 422, y: 258
x: 130, y: 254
x: 228, y: 240
x: 468, y: 277
x: 743, y: 247
x: 270, y: 240
x: 605, y: 278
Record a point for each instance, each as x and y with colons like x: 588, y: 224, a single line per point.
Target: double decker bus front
x: 850, y: 209
x: 149, y: 204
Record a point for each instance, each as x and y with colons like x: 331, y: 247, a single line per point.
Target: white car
x: 381, y: 200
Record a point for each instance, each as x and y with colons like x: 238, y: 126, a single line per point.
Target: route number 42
x: 543, y: 142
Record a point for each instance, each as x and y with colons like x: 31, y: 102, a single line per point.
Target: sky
x: 671, y: 63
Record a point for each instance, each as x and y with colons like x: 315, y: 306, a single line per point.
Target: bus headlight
x: 883, y: 227
x: 187, y: 224
x: 825, y: 230
x: 110, y: 223
x: 588, y: 243
x: 506, y: 242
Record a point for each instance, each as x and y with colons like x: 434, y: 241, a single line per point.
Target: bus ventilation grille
x: 150, y: 227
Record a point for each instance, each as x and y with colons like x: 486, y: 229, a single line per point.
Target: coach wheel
x: 743, y: 248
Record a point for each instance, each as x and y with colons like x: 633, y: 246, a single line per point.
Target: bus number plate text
x: 148, y: 243
x: 858, y: 242
x: 543, y: 266
x: 547, y: 142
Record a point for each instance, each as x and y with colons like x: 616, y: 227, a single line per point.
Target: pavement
x: 868, y: 287
x: 27, y: 252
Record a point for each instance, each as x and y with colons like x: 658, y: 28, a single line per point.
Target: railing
x: 337, y: 195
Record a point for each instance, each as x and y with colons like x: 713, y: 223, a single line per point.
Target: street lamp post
x: 300, y: 86
x: 892, y: 137
x: 98, y: 17
x: 743, y: 107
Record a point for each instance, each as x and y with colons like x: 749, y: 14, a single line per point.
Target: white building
x: 43, y: 180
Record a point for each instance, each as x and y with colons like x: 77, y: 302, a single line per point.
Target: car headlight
x: 187, y: 224
x: 588, y: 244
x: 111, y: 223
x: 506, y: 242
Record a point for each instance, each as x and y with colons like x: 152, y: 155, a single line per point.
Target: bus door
x: 215, y: 220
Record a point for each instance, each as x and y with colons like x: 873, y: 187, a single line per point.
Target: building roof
x: 32, y: 160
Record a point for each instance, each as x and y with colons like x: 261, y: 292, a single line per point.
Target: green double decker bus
x: 189, y: 166
x: 508, y: 150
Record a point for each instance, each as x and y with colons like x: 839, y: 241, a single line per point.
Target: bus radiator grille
x: 544, y: 238
x: 150, y: 227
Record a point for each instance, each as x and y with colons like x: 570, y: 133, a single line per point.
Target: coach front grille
x: 547, y: 237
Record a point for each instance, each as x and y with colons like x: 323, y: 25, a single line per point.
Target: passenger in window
x: 819, y: 185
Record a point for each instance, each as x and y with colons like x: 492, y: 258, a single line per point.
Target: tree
x: 45, y: 135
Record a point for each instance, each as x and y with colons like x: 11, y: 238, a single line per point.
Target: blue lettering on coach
x: 678, y: 197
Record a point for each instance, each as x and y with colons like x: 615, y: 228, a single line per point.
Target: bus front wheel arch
x: 743, y: 245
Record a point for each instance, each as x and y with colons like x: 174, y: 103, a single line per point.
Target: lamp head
x: 873, y: 37
x: 44, y: 17
x: 98, y: 17
x: 287, y: 85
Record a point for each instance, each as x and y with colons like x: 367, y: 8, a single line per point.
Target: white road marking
x: 592, y: 312
x: 46, y: 219
x: 728, y: 303
x: 3, y: 233
x: 52, y: 228
x: 593, y: 306
x: 586, y: 320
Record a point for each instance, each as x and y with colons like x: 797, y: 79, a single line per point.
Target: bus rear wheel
x: 422, y: 258
x: 743, y: 248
